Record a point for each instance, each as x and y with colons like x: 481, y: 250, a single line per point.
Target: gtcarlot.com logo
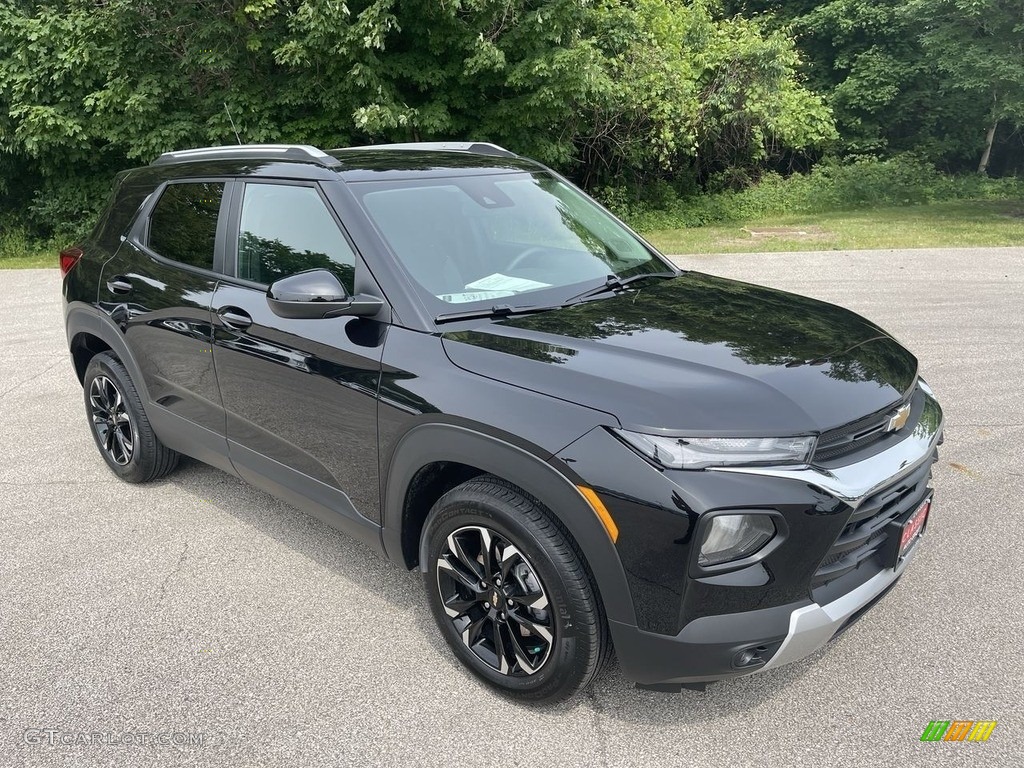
x: 55, y: 737
x: 958, y: 730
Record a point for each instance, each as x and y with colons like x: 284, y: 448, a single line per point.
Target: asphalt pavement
x: 201, y: 612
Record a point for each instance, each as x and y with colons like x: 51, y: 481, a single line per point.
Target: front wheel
x: 511, y: 594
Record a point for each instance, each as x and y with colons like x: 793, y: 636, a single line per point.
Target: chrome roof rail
x: 302, y: 153
x: 472, y: 147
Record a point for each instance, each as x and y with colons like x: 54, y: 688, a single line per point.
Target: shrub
x: 18, y: 246
x: 831, y: 186
x: 66, y: 210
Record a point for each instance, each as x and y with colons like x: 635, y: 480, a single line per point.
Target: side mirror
x: 315, y: 294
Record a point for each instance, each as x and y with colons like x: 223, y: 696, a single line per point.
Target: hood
x: 700, y: 354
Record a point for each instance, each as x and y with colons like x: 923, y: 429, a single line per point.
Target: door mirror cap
x: 315, y: 294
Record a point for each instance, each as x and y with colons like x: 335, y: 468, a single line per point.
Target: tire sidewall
x: 565, y: 665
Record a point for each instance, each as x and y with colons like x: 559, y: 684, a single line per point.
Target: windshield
x: 476, y: 239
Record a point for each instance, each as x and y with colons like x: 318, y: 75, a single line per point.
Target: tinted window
x: 183, y: 226
x: 286, y: 229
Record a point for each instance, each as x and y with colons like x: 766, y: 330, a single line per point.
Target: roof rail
x: 294, y: 152
x: 473, y: 147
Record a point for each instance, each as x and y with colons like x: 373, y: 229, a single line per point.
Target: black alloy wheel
x: 119, y: 424
x: 495, y: 600
x: 114, y: 431
x: 511, y: 592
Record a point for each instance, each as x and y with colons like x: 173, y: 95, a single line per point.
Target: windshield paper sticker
x: 462, y: 298
x: 500, y: 282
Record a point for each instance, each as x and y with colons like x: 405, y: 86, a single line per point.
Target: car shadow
x: 612, y: 694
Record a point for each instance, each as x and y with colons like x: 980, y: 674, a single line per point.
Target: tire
x: 545, y: 612
x: 119, y: 425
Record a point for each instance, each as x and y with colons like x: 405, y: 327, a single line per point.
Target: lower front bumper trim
x: 812, y: 626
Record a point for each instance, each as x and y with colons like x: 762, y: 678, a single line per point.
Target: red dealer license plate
x: 911, y: 531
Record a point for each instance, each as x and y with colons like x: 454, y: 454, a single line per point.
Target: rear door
x: 300, y: 396
x: 158, y: 288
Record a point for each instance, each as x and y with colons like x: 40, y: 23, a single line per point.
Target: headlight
x: 732, y: 537
x: 701, y: 452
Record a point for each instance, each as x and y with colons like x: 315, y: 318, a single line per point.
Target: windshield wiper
x: 612, y: 283
x: 615, y: 283
x: 500, y: 310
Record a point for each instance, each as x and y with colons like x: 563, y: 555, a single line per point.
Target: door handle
x: 119, y: 284
x: 233, y: 317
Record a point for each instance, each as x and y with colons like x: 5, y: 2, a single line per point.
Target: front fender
x: 550, y: 481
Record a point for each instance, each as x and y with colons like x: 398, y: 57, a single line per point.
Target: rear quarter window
x: 126, y: 198
x: 183, y: 225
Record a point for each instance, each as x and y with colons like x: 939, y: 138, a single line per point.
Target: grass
x: 19, y: 252
x: 956, y: 224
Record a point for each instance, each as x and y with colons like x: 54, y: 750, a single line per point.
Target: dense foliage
x: 924, y: 76
x: 624, y: 95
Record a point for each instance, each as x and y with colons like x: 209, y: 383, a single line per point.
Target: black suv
x: 453, y: 354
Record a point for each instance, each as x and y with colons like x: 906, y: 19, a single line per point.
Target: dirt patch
x: 744, y: 237
x: 789, y: 233
x: 965, y: 470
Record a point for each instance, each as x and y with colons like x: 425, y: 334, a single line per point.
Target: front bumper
x: 742, y: 637
x: 709, y: 649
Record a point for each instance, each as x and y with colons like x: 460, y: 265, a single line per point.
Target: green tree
x: 881, y: 85
x: 867, y: 58
x: 979, y: 46
x: 685, y: 88
x: 605, y: 89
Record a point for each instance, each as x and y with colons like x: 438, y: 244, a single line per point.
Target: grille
x: 865, y: 534
x: 860, y: 434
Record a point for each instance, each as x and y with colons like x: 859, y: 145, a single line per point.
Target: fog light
x: 750, y: 657
x: 732, y: 537
x: 744, y: 658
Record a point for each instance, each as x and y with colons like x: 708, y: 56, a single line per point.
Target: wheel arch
x: 429, y: 460
x: 89, y: 334
x: 84, y: 347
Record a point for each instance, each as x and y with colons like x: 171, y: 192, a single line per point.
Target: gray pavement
x: 200, y: 605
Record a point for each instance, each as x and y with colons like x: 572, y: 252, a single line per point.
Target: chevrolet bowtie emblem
x: 899, y: 419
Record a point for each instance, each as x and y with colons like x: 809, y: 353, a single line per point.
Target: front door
x: 300, y: 396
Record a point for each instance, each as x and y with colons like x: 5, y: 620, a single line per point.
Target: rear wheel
x: 510, y: 593
x: 119, y: 425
